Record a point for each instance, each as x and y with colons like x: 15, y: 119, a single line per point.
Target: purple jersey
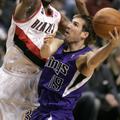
x: 61, y: 83
x: 60, y: 76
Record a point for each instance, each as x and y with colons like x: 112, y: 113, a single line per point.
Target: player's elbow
x: 87, y: 70
x: 91, y: 64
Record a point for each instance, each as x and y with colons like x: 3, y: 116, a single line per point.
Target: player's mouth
x: 66, y: 32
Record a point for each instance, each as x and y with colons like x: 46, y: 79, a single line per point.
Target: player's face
x: 46, y: 2
x: 74, y: 30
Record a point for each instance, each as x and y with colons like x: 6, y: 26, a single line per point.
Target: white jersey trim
x: 50, y: 118
x: 68, y: 91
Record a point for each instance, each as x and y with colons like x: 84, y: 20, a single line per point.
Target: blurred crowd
x: 101, y: 98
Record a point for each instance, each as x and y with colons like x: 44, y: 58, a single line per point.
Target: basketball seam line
x: 105, y: 23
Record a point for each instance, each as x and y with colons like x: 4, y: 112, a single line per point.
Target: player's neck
x: 75, y: 46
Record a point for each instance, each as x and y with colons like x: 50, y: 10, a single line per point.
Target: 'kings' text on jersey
x: 57, y: 66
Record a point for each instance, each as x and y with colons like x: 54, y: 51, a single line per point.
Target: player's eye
x: 75, y: 24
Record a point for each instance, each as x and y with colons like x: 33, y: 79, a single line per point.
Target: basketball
x: 105, y: 20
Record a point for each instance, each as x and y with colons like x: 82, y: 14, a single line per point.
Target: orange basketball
x: 105, y: 20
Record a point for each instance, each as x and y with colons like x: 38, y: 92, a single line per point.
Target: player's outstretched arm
x: 63, y: 23
x: 103, y: 52
x: 23, y: 7
x: 81, y: 5
x: 97, y: 57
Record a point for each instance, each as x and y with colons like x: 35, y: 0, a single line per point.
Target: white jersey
x: 20, y: 71
x: 28, y: 36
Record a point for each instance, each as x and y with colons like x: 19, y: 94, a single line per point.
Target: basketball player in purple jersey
x: 32, y: 22
x: 67, y: 71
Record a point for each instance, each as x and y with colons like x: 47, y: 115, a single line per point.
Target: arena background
x: 101, y: 100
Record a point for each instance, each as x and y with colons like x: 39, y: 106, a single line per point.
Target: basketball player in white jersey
x: 32, y: 22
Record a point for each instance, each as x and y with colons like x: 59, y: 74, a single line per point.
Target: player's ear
x: 84, y: 35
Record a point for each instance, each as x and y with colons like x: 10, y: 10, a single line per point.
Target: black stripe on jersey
x: 78, y: 80
x: 28, y: 53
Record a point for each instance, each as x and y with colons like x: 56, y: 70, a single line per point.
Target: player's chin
x: 67, y: 39
x: 66, y: 34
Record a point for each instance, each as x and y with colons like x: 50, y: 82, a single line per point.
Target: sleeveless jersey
x: 27, y: 37
x: 61, y: 83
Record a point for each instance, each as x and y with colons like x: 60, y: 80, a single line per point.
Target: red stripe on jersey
x: 29, y: 44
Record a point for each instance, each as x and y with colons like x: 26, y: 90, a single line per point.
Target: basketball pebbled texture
x: 105, y: 20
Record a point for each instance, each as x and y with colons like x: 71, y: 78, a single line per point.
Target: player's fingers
x: 119, y: 33
x: 111, y: 35
x: 116, y: 32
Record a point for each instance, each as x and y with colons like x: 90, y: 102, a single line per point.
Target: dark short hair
x: 87, y: 27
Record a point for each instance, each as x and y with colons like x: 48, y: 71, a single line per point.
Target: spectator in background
x: 116, y: 4
x: 114, y: 65
x: 3, y: 37
x: 101, y: 101
x: 3, y: 32
x: 8, y: 8
x: 87, y: 106
x: 104, y: 88
x: 94, y: 5
x: 70, y: 8
x: 1, y: 6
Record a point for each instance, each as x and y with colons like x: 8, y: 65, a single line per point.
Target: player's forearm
x: 100, y: 55
x: 63, y: 23
x: 82, y: 7
x: 50, y: 47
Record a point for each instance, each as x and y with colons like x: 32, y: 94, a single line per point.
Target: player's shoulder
x: 53, y: 8
x: 83, y: 58
x: 26, y: 9
x: 55, y: 11
x: 89, y: 54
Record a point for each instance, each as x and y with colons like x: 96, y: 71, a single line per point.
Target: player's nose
x: 69, y: 26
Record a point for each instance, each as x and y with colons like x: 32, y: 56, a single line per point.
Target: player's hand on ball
x: 115, y: 38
